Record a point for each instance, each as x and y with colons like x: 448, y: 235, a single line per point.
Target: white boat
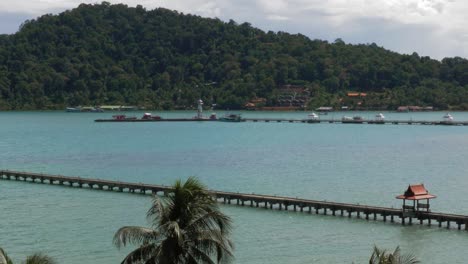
x: 448, y: 117
x: 313, y: 116
x: 379, y: 117
x: 73, y: 109
x: 352, y: 120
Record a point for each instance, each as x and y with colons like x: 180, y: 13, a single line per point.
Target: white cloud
x: 429, y: 27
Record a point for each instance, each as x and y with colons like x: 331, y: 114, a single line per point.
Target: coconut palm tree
x: 380, y: 256
x: 4, y: 259
x: 186, y: 227
x: 37, y: 258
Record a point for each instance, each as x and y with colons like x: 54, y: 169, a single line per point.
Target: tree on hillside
x: 186, y: 227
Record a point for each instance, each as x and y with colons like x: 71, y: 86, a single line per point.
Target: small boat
x: 312, y: 116
x: 448, y: 117
x: 213, y: 116
x: 352, y: 120
x: 379, y: 117
x: 324, y: 109
x: 148, y: 116
x: 85, y: 109
x: 231, y: 118
x: 73, y: 109
x: 123, y: 117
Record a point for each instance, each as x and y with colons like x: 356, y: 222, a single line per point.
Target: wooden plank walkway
x: 254, y: 200
x: 155, y: 120
x: 289, y: 120
x: 364, y: 121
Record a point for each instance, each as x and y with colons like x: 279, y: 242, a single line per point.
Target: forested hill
x: 113, y: 54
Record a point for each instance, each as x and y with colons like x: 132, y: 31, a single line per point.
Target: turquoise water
x: 367, y: 164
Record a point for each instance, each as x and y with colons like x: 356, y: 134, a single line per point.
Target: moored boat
x: 213, y: 116
x: 448, y: 117
x: 231, y: 118
x: 73, y: 109
x: 84, y: 109
x: 352, y: 120
x: 149, y: 116
x: 379, y: 117
x: 312, y: 116
x: 123, y: 117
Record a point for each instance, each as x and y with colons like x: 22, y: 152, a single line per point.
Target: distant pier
x: 384, y: 214
x: 311, y: 121
x: 363, y: 121
x: 156, y: 120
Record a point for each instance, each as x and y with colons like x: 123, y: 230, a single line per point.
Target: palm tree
x: 4, y: 259
x: 37, y: 258
x: 380, y: 256
x: 186, y: 227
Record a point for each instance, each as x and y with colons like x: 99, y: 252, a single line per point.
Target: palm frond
x: 380, y: 256
x: 142, y: 254
x: 134, y: 235
x: 407, y: 259
x: 157, y: 209
x: 40, y: 258
x: 197, y: 256
x: 213, y: 243
x: 4, y: 259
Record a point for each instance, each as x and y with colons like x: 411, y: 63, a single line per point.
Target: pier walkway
x: 363, y: 121
x: 289, y: 120
x: 256, y: 200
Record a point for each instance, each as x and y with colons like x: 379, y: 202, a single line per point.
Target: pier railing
x: 253, y: 200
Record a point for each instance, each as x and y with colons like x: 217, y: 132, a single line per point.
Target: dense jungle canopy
x: 162, y: 59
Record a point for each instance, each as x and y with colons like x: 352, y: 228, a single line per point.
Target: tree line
x: 100, y: 54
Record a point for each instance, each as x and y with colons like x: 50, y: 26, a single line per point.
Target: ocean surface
x: 366, y: 164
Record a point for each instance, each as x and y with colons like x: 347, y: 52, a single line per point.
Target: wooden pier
x: 289, y: 120
x: 133, y: 120
x: 363, y: 121
x: 257, y: 200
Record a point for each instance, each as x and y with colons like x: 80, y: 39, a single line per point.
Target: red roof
x: 416, y: 192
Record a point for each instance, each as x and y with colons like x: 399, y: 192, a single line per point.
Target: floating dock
x: 256, y: 200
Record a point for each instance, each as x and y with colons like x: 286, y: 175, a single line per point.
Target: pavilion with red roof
x: 416, y: 193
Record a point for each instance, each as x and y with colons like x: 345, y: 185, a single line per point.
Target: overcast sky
x: 436, y: 28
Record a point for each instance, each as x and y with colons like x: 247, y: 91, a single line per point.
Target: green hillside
x: 112, y: 54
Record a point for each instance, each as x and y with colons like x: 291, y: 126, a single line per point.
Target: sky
x: 435, y: 28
